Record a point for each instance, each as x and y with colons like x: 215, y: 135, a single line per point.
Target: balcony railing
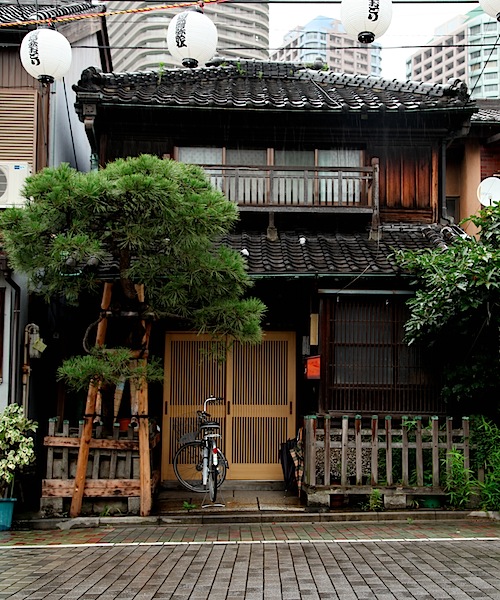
x: 298, y: 188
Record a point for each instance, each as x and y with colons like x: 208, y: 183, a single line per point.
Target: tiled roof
x: 11, y: 13
x: 488, y: 111
x: 270, y: 85
x: 303, y: 253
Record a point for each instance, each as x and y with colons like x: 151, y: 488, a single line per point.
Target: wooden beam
x: 83, y: 454
x: 98, y: 488
x: 101, y: 444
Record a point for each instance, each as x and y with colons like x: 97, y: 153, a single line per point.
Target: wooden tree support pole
x: 144, y: 452
x: 83, y: 453
x: 143, y: 411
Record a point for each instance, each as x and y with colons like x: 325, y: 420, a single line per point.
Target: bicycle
x: 199, y: 464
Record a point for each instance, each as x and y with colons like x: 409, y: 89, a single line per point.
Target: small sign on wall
x: 313, y: 364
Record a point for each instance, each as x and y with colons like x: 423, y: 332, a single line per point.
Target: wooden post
x: 435, y: 451
x: 326, y: 427
x: 144, y: 454
x: 65, y: 453
x: 345, y: 442
x: 388, y: 450
x: 359, y: 449
x: 83, y: 453
x: 405, y: 475
x: 310, y: 450
x: 50, y: 451
x: 374, y: 477
x: 449, y: 442
x: 419, y: 453
x: 466, y: 430
x: 146, y: 501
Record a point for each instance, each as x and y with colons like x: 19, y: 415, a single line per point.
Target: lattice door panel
x: 258, y: 385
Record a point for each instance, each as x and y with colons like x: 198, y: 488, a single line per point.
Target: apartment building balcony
x: 315, y: 189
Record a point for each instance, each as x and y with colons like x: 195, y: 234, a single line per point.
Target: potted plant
x: 16, y: 451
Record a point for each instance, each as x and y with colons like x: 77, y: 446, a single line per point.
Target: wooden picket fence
x: 400, y: 456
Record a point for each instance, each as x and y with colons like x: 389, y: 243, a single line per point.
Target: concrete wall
x: 69, y: 141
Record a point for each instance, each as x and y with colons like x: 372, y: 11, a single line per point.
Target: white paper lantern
x: 366, y: 20
x: 491, y: 8
x: 46, y: 54
x: 192, y: 38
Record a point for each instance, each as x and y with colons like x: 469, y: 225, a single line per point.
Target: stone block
x: 395, y: 501
x: 51, y: 507
x: 134, y: 505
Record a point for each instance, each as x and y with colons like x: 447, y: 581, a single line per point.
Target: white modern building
x: 464, y: 48
x: 138, y: 39
x: 326, y: 38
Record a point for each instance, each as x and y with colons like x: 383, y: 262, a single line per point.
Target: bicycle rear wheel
x: 188, y: 466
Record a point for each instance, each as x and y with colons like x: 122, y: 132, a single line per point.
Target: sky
x: 412, y: 25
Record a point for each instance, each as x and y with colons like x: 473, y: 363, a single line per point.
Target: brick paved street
x: 289, y: 561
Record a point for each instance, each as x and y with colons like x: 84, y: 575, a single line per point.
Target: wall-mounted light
x: 192, y: 38
x: 366, y: 20
x: 46, y: 54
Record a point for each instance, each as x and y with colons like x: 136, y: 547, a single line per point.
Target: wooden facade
x: 321, y: 166
x: 24, y: 114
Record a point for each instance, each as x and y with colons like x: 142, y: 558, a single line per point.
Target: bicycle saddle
x: 210, y: 425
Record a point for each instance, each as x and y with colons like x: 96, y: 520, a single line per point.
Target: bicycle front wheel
x: 213, y: 483
x: 188, y: 466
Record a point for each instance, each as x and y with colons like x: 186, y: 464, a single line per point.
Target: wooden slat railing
x: 113, y: 468
x: 361, y: 455
x: 299, y: 188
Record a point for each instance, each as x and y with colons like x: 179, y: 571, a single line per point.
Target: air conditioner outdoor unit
x: 12, y: 176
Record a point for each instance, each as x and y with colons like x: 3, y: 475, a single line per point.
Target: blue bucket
x: 6, y: 512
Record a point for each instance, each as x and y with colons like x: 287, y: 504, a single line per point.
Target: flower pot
x: 124, y: 424
x: 6, y: 512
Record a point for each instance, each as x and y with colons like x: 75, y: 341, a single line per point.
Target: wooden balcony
x: 317, y: 189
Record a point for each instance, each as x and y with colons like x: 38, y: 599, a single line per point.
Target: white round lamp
x: 491, y: 8
x: 366, y: 20
x: 46, y: 54
x: 192, y: 38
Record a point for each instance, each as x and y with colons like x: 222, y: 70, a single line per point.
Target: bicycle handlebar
x: 211, y: 399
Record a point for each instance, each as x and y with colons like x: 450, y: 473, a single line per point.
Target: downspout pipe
x: 443, y: 217
x: 14, y: 353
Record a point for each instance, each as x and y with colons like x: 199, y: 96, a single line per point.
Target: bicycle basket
x: 188, y: 437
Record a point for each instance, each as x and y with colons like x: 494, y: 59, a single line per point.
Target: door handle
x: 228, y: 409
x: 291, y: 408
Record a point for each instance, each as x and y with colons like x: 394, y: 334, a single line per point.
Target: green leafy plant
x: 485, y: 439
x: 490, y: 488
x: 458, y: 480
x: 107, y: 367
x: 188, y: 505
x: 376, y: 500
x: 160, y: 221
x: 456, y: 312
x: 161, y: 71
x: 16, y: 446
